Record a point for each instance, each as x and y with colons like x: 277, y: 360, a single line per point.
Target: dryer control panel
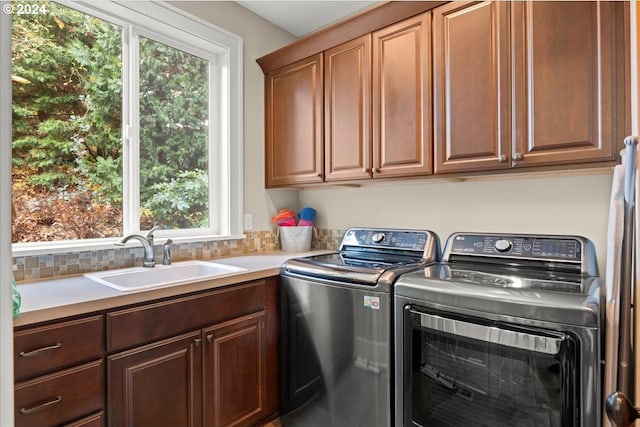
x: 415, y: 240
x: 547, y: 248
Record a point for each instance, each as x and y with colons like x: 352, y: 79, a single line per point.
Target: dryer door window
x: 469, y: 372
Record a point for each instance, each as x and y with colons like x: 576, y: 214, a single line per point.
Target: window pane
x: 174, y: 184
x: 67, y: 97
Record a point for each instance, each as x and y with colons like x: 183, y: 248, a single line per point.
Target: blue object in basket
x: 307, y: 217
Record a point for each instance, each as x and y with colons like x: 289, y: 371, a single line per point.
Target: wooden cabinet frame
x: 517, y: 84
x: 543, y: 84
x: 181, y: 360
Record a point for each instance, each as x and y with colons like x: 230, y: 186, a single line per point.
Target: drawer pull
x: 38, y: 408
x: 210, y: 338
x: 40, y: 350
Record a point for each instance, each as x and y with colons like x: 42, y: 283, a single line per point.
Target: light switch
x: 248, y: 222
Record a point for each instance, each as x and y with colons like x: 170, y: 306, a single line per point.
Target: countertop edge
x: 41, y: 299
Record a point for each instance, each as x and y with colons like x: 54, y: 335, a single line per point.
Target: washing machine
x: 504, y: 332
x: 336, y: 320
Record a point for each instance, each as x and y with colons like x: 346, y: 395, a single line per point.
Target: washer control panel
x: 414, y: 240
x: 552, y: 248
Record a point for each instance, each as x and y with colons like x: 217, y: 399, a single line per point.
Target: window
x: 126, y: 115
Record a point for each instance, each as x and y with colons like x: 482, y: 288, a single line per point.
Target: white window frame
x: 224, y: 51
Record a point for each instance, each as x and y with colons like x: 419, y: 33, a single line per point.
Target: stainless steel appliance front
x: 504, y: 333
x: 336, y: 347
x: 336, y: 328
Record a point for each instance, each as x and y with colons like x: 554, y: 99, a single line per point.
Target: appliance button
x: 378, y: 238
x: 503, y: 245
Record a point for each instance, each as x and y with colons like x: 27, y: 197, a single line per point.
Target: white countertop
x: 52, y: 299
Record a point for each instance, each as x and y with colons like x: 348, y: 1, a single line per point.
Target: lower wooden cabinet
x: 222, y: 374
x: 59, y: 372
x: 61, y: 397
x: 221, y: 369
x: 96, y: 420
x: 157, y: 384
x: 207, y: 359
x: 235, y: 372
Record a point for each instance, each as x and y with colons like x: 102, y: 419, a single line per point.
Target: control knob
x: 503, y: 245
x: 378, y: 238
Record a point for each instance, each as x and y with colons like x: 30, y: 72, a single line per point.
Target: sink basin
x: 138, y: 278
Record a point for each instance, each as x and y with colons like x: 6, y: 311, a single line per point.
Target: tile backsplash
x: 26, y: 268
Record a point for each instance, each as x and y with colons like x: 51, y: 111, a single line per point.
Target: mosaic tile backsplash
x: 47, y: 266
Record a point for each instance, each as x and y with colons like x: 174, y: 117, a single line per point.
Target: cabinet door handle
x: 210, y: 338
x: 40, y: 350
x: 376, y: 170
x: 502, y: 158
x: 518, y: 156
x: 197, y: 342
x: 38, y: 408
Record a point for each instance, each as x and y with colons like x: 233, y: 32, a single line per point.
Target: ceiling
x: 303, y: 17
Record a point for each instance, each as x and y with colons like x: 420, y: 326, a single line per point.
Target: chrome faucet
x: 147, y: 242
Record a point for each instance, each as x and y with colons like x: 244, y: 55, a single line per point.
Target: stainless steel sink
x: 138, y: 278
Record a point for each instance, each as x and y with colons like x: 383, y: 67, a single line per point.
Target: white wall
x: 260, y: 37
x: 575, y: 204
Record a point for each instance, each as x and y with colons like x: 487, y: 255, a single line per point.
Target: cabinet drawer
x: 47, y: 348
x: 96, y: 420
x: 143, y: 324
x: 57, y: 398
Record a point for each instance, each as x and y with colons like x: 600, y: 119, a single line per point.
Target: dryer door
x: 471, y: 372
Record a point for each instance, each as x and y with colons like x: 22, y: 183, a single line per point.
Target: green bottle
x: 17, y: 299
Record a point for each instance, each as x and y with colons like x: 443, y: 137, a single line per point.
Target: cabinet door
x: 235, y: 372
x: 293, y: 123
x: 566, y: 61
x: 402, y: 129
x: 159, y: 384
x: 347, y: 117
x: 472, y: 96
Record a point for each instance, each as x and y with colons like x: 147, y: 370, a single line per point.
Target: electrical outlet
x: 248, y: 222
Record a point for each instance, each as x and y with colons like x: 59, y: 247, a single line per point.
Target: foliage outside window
x: 111, y: 129
x: 173, y: 137
x: 67, y: 126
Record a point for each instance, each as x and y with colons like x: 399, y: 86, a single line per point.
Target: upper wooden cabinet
x: 347, y: 110
x: 378, y: 104
x: 465, y: 87
x: 568, y: 81
x: 402, y: 98
x: 532, y: 83
x: 377, y: 110
x: 293, y: 125
x: 472, y: 96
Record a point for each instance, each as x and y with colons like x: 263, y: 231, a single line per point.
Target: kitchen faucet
x: 147, y: 242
